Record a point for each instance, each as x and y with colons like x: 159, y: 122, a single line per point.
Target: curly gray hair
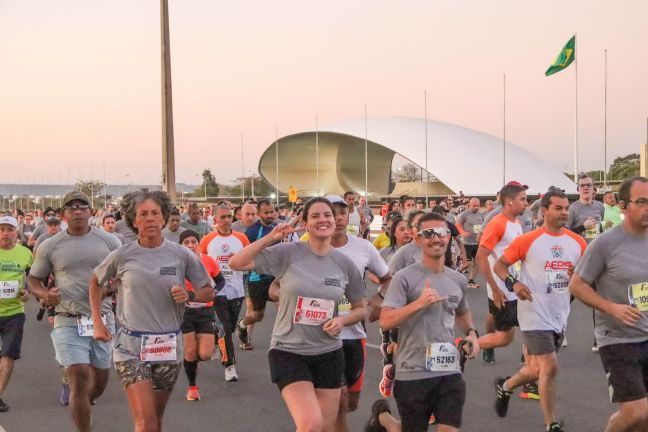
x: 159, y: 197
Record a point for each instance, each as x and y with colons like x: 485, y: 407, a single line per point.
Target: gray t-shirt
x: 239, y: 227
x: 471, y: 222
x: 308, y: 279
x: 146, y: 275
x: 41, y: 240
x: 121, y: 227
x: 434, y: 324
x: 172, y: 236
x: 72, y: 259
x: 201, y: 228
x: 405, y: 256
x: 39, y: 230
x: 579, y: 213
x: 525, y: 219
x: 612, y: 263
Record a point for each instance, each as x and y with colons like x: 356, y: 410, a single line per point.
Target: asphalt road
x: 254, y: 403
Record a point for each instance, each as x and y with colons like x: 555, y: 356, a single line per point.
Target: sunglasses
x: 78, y: 207
x: 431, y: 232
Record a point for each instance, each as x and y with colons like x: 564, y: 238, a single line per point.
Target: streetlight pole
x: 168, y: 153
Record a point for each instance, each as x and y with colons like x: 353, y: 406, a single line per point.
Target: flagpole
x: 427, y: 177
x: 504, y: 136
x: 576, y: 110
x: 605, y: 130
x: 242, y: 171
x: 277, y: 158
x: 365, y: 155
x: 317, y: 156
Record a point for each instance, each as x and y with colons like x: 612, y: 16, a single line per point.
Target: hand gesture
x: 590, y: 223
x: 280, y: 231
x: 101, y: 332
x: 334, y: 326
x: 429, y: 295
x: 522, y: 291
x: 53, y: 296
x: 179, y: 294
x: 498, y: 298
x: 627, y: 314
x: 24, y: 296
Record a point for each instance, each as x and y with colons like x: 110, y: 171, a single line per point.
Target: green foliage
x: 90, y: 187
x: 624, y: 167
x: 208, y: 187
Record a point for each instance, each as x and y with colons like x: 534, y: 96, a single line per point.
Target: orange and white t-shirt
x: 212, y: 270
x: 545, y: 259
x: 497, y: 236
x: 221, y: 248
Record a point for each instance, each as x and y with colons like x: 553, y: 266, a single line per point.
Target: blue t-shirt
x: 255, y: 232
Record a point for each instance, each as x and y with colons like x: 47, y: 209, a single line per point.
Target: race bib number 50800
x: 313, y: 311
x: 158, y: 347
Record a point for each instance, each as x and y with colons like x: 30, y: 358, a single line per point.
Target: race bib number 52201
x: 638, y: 296
x: 313, y: 311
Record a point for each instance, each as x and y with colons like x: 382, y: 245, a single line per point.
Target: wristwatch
x: 191, y: 295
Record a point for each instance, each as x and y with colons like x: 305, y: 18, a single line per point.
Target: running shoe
x: 193, y: 394
x: 3, y: 406
x: 488, y: 355
x: 432, y: 420
x: 595, y: 347
x: 564, y: 345
x: 387, y: 382
x: 246, y: 346
x: 379, y: 406
x: 555, y: 427
x: 473, y: 284
x: 530, y: 391
x: 242, y: 333
x: 65, y: 395
x: 503, y: 397
x: 230, y: 374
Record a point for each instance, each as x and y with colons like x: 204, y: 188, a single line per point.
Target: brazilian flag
x: 565, y: 58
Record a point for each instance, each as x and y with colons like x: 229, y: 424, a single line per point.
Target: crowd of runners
x: 153, y: 289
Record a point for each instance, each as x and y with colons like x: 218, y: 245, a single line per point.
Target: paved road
x: 254, y: 403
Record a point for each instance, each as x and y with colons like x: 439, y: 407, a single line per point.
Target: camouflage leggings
x: 163, y: 375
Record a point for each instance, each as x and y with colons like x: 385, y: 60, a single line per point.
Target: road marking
x: 370, y: 345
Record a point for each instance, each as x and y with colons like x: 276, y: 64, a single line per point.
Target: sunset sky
x: 80, y: 80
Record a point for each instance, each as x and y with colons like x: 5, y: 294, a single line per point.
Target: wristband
x: 191, y: 295
x: 509, y: 282
x: 381, y: 295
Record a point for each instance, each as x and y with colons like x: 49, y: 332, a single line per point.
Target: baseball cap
x: 337, y: 200
x: 9, y: 220
x: 439, y: 209
x: 555, y: 189
x: 516, y: 183
x: 53, y: 221
x: 75, y: 195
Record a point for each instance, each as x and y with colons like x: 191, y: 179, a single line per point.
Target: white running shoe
x: 230, y: 374
x: 564, y: 342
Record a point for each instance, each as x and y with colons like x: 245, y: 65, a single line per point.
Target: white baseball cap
x: 9, y: 220
x: 333, y: 199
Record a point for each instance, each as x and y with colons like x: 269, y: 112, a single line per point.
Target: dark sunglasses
x: 431, y: 232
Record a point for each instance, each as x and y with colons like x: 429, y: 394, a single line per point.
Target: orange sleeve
x: 242, y: 237
x: 204, y: 242
x: 581, y: 242
x: 519, y: 247
x: 493, y: 233
x: 210, y: 265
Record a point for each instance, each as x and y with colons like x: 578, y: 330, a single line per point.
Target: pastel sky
x: 80, y: 80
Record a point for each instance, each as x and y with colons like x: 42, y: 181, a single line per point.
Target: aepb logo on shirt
x: 332, y: 282
x: 557, y: 265
x: 557, y: 251
x: 168, y: 271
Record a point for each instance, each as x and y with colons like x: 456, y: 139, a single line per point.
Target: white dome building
x: 459, y: 159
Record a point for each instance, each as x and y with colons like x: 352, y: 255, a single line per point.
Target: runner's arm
x: 204, y: 294
x: 484, y: 268
x: 95, y: 296
x: 36, y: 287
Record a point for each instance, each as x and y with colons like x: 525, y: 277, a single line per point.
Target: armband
x: 509, y: 282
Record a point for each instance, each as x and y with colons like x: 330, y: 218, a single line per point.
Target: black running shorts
x: 354, y: 361
x: 258, y: 293
x: 626, y: 366
x: 442, y: 396
x: 323, y: 370
x: 11, y: 333
x: 540, y: 342
x: 506, y: 317
x: 199, y: 320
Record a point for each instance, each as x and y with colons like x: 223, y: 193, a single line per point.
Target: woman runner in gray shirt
x: 147, y: 349
x: 305, y: 354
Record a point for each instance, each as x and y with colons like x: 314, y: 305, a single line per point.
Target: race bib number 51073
x: 313, y: 311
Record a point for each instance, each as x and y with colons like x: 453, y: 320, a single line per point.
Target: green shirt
x: 201, y: 228
x: 13, y: 265
x: 612, y: 214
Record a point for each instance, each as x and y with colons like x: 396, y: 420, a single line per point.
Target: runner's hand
x: 50, y: 320
x: 522, y: 291
x: 375, y: 306
x: 24, y: 296
x: 429, y: 295
x: 334, y: 326
x: 179, y: 294
x: 53, y: 297
x: 590, y: 223
x: 280, y: 231
x: 475, y: 345
x: 498, y: 298
x: 570, y: 270
x: 626, y: 314
x: 101, y: 332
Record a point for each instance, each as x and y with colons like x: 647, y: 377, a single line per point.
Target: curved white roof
x: 463, y: 159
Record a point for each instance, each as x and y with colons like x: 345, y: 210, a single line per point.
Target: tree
x: 90, y: 187
x: 208, y: 187
x: 407, y: 173
x: 624, y: 167
x: 261, y: 187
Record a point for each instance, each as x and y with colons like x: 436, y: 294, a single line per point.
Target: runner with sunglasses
x: 425, y: 301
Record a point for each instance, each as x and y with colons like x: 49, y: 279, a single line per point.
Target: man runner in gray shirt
x: 612, y: 278
x: 586, y: 214
x: 71, y: 257
x: 425, y: 301
x: 470, y: 222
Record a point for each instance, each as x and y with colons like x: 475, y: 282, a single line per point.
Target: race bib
x: 353, y: 229
x: 557, y: 282
x: 160, y: 347
x: 476, y: 229
x: 638, y: 296
x: 313, y: 311
x: 344, y: 308
x: 226, y: 271
x: 590, y: 234
x: 442, y: 357
x: 86, y: 326
x: 9, y: 289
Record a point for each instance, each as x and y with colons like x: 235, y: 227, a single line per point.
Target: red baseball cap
x: 515, y: 183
